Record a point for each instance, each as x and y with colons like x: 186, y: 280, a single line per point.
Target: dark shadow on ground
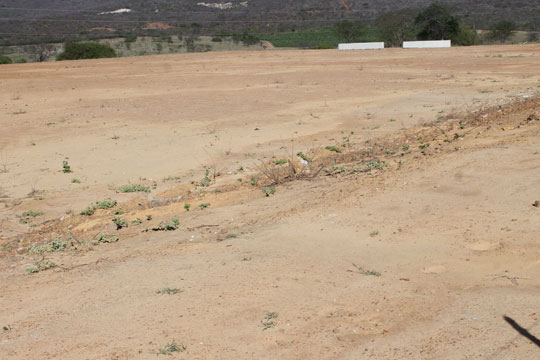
x: 524, y: 332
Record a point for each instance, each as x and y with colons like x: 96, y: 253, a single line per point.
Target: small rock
x: 533, y: 117
x: 536, y: 203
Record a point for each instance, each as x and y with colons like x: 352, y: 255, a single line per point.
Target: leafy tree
x: 85, y: 50
x: 397, y: 26
x: 5, y: 60
x: 436, y: 22
x: 350, y: 30
x: 501, y: 31
x: 466, y: 36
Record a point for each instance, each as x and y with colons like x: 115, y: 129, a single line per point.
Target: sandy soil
x: 413, y: 242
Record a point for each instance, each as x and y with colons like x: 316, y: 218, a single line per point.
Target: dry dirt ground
x: 413, y: 242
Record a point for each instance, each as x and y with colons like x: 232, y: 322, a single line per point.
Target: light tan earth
x: 434, y: 193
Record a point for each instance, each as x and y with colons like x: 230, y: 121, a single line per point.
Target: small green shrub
x: 130, y: 38
x: 206, y: 181
x: 85, y: 50
x: 170, y: 348
x: 65, y: 167
x: 280, y: 162
x: 366, y: 272
x: 169, y: 291
x: 56, y: 244
x: 120, y: 223
x: 75, y: 181
x: 105, y: 204
x: 187, y: 207
x: 268, y: 321
x: 4, y: 60
x: 167, y: 225
x: 333, y: 148
x: 32, y: 213
x: 25, y: 217
x: 134, y: 188
x: 104, y: 238
x: 40, y: 266
x: 204, y: 205
x: 303, y: 156
x: 269, y: 190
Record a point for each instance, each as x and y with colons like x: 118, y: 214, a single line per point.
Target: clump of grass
x: 268, y: 321
x: 137, y: 221
x: 231, y: 236
x: 303, y: 156
x: 65, y: 167
x: 167, y: 225
x: 374, y: 233
x: 120, y: 223
x: 105, y: 238
x: 268, y: 190
x: 75, y: 181
x: 40, y: 266
x: 56, y: 244
x: 206, y: 181
x: 333, y: 148
x: 187, y: 207
x: 133, y: 188
x: 170, y: 348
x: 280, y: 161
x: 204, y: 205
x: 148, y: 217
x: 362, y: 271
x: 32, y: 213
x: 169, y: 291
x: 105, y: 204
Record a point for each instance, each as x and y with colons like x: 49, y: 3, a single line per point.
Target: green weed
x: 65, y: 167
x: 104, y: 238
x: 366, y: 272
x: 133, y: 188
x: 333, y: 148
x: 170, y: 348
x: 268, y: 190
x: 303, y: 156
x: 169, y: 291
x: 167, y: 225
x: 268, y: 321
x: 120, y: 223
x: 40, y: 266
x: 105, y: 204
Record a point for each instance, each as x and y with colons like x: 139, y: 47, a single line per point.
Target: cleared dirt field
x: 411, y: 242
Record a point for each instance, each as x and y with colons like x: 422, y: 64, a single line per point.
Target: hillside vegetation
x: 53, y: 20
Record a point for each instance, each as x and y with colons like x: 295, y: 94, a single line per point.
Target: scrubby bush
x: 501, y: 31
x: 86, y: 50
x: 5, y: 60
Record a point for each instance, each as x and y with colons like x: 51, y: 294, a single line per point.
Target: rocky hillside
x: 45, y: 20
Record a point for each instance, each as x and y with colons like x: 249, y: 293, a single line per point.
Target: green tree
x: 397, y: 26
x: 436, y: 22
x: 85, y: 50
x: 5, y: 60
x: 350, y: 30
x: 501, y: 31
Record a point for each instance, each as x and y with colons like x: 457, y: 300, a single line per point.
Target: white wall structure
x: 427, y: 44
x: 361, y: 46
